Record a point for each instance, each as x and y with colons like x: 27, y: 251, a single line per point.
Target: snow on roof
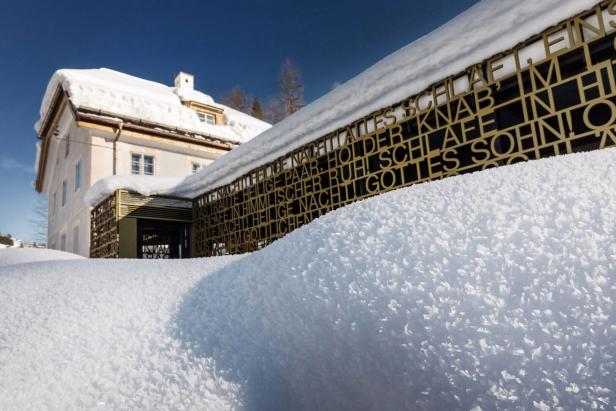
x: 489, y: 27
x: 492, y: 290
x: 115, y: 93
x: 142, y: 184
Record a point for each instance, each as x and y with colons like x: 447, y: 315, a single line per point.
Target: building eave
x: 109, y: 119
x: 59, y: 103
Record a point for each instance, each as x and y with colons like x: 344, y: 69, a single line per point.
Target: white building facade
x: 99, y: 123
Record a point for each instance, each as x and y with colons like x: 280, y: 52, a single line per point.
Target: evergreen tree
x: 256, y: 110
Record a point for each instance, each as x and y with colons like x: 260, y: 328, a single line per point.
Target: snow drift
x: 96, y: 334
x: 493, y: 290
x: 24, y: 255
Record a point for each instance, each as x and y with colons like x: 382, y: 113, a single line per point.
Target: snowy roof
x: 488, y: 28
x: 118, y: 94
x: 142, y: 184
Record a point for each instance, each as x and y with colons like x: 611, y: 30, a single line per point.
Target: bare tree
x: 274, y: 111
x: 290, y: 88
x: 39, y: 219
x: 236, y: 99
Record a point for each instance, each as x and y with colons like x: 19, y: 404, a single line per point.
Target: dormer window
x: 205, y: 113
x: 206, y: 118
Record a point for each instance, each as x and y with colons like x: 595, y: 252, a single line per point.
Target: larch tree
x: 236, y: 99
x: 274, y: 111
x: 290, y: 88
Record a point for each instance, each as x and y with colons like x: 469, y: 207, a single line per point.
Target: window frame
x: 196, y: 167
x: 152, y: 165
x: 67, y: 146
x: 206, y: 118
x: 132, y: 164
x: 76, y: 239
x: 142, y: 164
x: 64, y: 192
x: 77, y: 175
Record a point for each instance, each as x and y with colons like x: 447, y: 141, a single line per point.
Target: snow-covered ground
x: 25, y: 255
x: 493, y: 290
x: 99, y: 334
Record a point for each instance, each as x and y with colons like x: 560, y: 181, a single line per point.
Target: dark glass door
x: 162, y: 239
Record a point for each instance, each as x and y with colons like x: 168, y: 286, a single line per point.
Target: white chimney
x: 184, y: 81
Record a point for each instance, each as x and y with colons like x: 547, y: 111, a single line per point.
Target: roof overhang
x: 59, y: 103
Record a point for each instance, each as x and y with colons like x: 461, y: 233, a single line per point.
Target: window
x: 148, y: 165
x: 53, y: 203
x: 77, y: 176
x: 63, y: 242
x: 76, y: 239
x: 206, y: 118
x: 64, y: 193
x: 67, y: 147
x: 196, y: 167
x: 136, y: 164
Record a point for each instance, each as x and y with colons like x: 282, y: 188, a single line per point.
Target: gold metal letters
x: 553, y: 94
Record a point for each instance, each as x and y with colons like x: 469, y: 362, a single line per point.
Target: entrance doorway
x: 162, y: 239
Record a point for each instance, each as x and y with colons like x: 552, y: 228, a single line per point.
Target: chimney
x: 184, y: 81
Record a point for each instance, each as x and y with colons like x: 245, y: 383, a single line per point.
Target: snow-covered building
x: 96, y: 123
x: 504, y: 82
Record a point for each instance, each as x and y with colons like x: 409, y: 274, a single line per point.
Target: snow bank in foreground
x: 95, y: 334
x: 495, y: 289
x: 24, y: 255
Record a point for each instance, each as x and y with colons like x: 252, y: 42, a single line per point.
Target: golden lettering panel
x: 551, y: 95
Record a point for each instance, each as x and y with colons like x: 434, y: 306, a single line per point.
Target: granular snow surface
x: 97, y: 334
x: 494, y: 290
x: 25, y: 255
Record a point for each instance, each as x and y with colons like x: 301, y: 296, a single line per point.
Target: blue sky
x: 221, y: 43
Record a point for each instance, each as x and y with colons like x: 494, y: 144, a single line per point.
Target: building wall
x: 69, y: 223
